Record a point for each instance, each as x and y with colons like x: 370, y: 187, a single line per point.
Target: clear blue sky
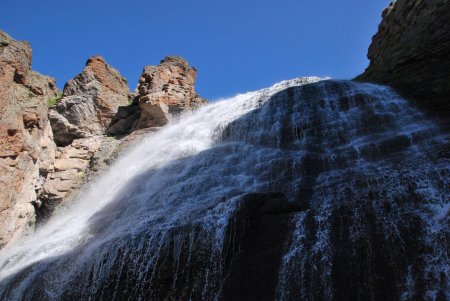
x: 236, y: 46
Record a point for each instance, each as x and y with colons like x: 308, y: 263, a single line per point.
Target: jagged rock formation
x: 163, y: 91
x: 90, y: 104
x: 27, y: 149
x: 35, y: 175
x: 411, y: 53
x: 90, y: 101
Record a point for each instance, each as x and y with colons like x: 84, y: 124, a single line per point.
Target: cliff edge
x: 411, y: 53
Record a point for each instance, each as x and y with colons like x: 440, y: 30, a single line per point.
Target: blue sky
x: 236, y: 46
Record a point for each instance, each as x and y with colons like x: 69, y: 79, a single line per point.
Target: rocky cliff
x: 309, y: 190
x: 411, y: 53
x: 27, y: 149
x: 46, y: 153
x: 163, y: 91
x: 90, y: 101
x: 79, y: 121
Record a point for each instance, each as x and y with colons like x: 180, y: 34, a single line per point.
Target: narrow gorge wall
x: 411, y: 53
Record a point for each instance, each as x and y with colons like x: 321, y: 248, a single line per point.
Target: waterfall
x: 348, y: 178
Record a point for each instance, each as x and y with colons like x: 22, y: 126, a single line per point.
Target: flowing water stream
x: 369, y: 175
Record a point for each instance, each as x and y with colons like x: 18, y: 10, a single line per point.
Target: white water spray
x: 367, y: 168
x: 186, y: 137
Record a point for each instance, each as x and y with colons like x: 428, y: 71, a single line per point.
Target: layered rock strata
x: 411, y: 53
x: 70, y: 167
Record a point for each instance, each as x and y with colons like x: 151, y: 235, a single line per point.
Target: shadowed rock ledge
x: 411, y: 53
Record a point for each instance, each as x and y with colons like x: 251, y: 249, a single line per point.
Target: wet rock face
x: 164, y: 90
x: 90, y: 101
x: 27, y: 149
x: 184, y: 268
x: 411, y: 53
x: 362, y: 213
x: 259, y: 235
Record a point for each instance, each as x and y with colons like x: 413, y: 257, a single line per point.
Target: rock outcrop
x: 47, y: 154
x: 411, y: 53
x: 90, y: 101
x: 163, y: 91
x: 27, y: 149
x: 71, y: 164
x: 97, y: 99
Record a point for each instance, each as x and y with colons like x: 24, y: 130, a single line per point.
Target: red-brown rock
x: 27, y: 149
x: 163, y: 91
x: 90, y: 101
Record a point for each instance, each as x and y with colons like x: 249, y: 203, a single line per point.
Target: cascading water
x: 308, y: 190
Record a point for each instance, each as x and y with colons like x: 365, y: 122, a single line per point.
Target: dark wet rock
x: 362, y: 213
x: 261, y: 232
x: 411, y: 53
